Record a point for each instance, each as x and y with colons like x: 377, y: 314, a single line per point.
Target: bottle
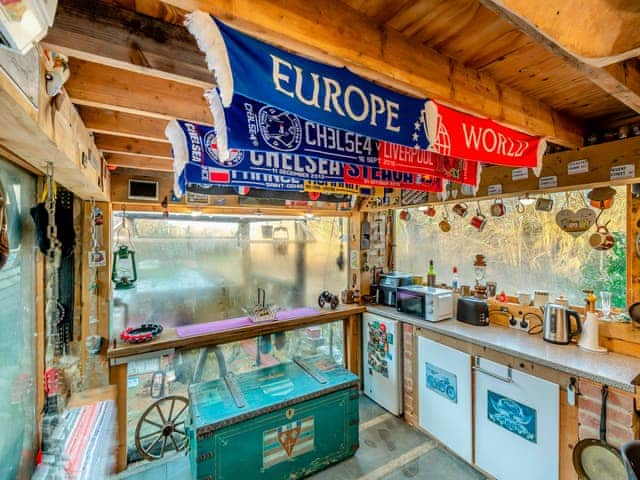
x: 455, y: 280
x: 431, y: 275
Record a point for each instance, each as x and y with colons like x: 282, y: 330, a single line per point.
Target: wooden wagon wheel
x: 161, y: 426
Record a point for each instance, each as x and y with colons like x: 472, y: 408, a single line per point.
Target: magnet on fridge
x: 389, y: 356
x: 390, y: 338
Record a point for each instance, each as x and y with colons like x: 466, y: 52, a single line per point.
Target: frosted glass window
x: 196, y: 270
x: 17, y: 323
x: 524, y: 251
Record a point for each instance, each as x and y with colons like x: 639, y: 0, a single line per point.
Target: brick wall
x: 622, y: 420
x: 409, y: 350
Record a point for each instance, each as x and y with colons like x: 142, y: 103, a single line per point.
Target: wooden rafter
x: 336, y: 33
x: 132, y: 146
x: 139, y: 162
x: 103, y: 86
x: 112, y: 122
x: 598, y: 32
x: 93, y: 31
x: 621, y: 81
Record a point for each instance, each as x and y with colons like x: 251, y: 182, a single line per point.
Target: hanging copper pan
x: 595, y: 459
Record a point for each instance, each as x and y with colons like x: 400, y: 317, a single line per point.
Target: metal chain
x: 53, y: 256
x: 94, y: 235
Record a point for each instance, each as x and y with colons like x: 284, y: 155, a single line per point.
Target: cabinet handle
x: 478, y: 368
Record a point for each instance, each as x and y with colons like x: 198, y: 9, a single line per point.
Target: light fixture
x: 308, y: 215
x: 526, y: 200
x: 195, y: 213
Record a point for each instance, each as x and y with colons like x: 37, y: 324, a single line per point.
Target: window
x: 524, y: 251
x: 17, y: 323
x: 201, y: 269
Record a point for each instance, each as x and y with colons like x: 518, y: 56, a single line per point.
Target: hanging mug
x: 405, y: 215
x: 498, y: 208
x: 444, y: 225
x: 461, y: 209
x: 430, y: 211
x: 601, y: 239
x: 544, y: 204
x: 478, y: 221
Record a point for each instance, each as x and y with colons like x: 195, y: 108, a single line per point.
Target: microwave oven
x: 427, y: 303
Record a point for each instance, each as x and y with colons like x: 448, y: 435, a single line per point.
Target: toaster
x: 473, y: 311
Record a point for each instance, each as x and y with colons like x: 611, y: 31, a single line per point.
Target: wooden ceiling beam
x: 140, y: 162
x: 598, y: 32
x: 621, y: 81
x: 112, y: 122
x: 94, y: 31
x: 132, y: 146
x: 102, y: 86
x: 333, y: 32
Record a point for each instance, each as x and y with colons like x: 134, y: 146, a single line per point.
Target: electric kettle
x: 557, y: 324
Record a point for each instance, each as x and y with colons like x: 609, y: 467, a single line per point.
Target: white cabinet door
x: 516, y: 423
x: 382, y: 353
x: 445, y: 395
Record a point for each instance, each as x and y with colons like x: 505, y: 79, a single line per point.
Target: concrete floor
x: 389, y: 450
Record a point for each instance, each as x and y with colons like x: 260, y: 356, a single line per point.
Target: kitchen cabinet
x: 444, y: 395
x: 516, y: 423
x: 382, y: 349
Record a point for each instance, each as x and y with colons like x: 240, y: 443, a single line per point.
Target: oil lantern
x: 124, y: 273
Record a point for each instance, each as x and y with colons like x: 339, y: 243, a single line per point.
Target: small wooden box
x: 293, y: 423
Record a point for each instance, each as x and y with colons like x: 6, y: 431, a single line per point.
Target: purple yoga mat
x: 230, y: 324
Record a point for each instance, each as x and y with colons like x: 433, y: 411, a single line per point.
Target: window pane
x: 17, y: 346
x: 524, y: 251
x: 196, y: 270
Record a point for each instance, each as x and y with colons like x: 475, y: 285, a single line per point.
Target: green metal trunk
x: 293, y: 424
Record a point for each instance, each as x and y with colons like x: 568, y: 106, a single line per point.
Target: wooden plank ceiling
x: 133, y: 65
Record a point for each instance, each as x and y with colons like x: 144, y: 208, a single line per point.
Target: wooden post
x: 352, y: 343
x: 118, y: 377
x: 633, y: 260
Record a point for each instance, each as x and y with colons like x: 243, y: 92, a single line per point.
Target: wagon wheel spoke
x: 145, y: 419
x: 164, y: 445
x: 173, y: 402
x: 175, y: 444
x: 157, y: 432
x: 155, y: 442
x: 161, y: 414
x: 181, y: 432
x: 181, y: 412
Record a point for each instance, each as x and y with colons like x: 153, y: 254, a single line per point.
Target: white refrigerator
x: 444, y: 395
x: 382, y: 369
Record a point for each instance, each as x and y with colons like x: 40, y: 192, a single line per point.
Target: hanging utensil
x: 340, y: 259
x: 595, y: 459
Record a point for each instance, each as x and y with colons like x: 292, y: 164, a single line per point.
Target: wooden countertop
x: 169, y: 339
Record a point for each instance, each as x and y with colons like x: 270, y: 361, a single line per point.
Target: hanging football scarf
x: 198, y: 174
x: 405, y: 159
x: 195, y: 146
x: 466, y: 136
x: 320, y: 93
x: 252, y: 125
x: 363, y: 175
